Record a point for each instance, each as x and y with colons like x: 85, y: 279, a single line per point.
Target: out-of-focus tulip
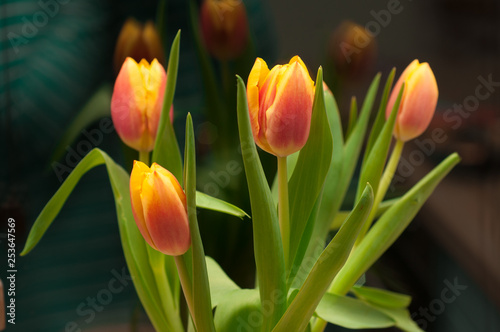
x: 224, y: 28
x: 138, y: 41
x: 159, y: 207
x: 353, y: 50
x: 280, y: 105
x: 137, y: 102
x: 418, y: 102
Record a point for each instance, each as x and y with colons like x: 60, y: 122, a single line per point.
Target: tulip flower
x: 137, y: 103
x: 353, y: 50
x: 138, y: 41
x: 418, y: 102
x: 159, y: 207
x: 224, y: 28
x: 280, y: 105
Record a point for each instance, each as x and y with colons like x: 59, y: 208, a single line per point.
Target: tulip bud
x: 353, y: 50
x: 139, y: 42
x: 224, y: 28
x: 137, y: 102
x: 418, y: 102
x: 280, y: 105
x: 159, y: 207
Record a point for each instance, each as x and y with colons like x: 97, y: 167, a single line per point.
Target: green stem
x: 385, y: 181
x: 187, y: 286
x: 283, y: 208
x: 144, y: 157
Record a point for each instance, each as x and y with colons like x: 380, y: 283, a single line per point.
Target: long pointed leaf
x: 310, y: 171
x: 166, y: 151
x: 208, y: 202
x: 268, y: 249
x: 203, y: 316
x: 389, y: 226
x: 300, y: 311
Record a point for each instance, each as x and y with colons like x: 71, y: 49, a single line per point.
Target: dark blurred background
x: 50, y: 65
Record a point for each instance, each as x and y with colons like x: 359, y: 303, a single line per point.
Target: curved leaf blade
x: 208, y: 202
x: 382, y: 297
x: 268, y: 248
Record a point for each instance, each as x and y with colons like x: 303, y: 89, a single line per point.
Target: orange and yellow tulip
x: 280, y: 105
x: 137, y: 102
x: 159, y: 207
x: 418, y: 102
x: 224, y: 28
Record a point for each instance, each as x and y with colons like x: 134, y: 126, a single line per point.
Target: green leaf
x: 382, y: 297
x: 203, y: 316
x: 268, y: 249
x: 137, y: 258
x: 166, y: 151
x: 97, y: 107
x: 298, y: 314
x: 380, y: 119
x: 205, y: 201
x: 310, y: 171
x: 401, y: 317
x: 372, y: 169
x: 220, y: 284
x: 352, y: 313
x: 239, y: 311
x: 390, y: 226
x: 353, y: 117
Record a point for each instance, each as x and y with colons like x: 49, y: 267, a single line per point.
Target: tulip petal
x: 256, y: 78
x: 139, y: 172
x: 289, y: 119
x: 394, y: 95
x: 155, y: 86
x: 419, y: 103
x: 128, y: 104
x: 165, y: 215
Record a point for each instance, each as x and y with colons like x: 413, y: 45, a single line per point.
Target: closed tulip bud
x: 138, y: 41
x: 418, y: 102
x: 137, y: 102
x: 224, y: 28
x: 159, y: 207
x: 280, y: 105
x: 353, y: 50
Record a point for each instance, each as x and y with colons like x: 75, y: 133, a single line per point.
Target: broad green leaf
x: 268, y: 249
x: 240, y: 311
x: 351, y: 313
x: 298, y: 314
x: 208, y: 202
x: 372, y: 169
x: 310, y: 171
x: 390, y: 226
x: 401, y: 316
x: 203, y: 316
x: 380, y: 119
x: 220, y: 284
x: 97, y: 107
x: 382, y: 297
x: 353, y: 117
x: 166, y: 151
x: 137, y: 259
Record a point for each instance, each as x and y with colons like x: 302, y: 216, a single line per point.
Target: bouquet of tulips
x: 305, y: 278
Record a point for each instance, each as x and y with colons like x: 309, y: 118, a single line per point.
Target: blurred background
x: 55, y: 55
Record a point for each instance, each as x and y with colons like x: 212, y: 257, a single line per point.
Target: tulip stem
x: 283, y: 207
x: 187, y: 287
x: 385, y: 181
x: 144, y: 157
